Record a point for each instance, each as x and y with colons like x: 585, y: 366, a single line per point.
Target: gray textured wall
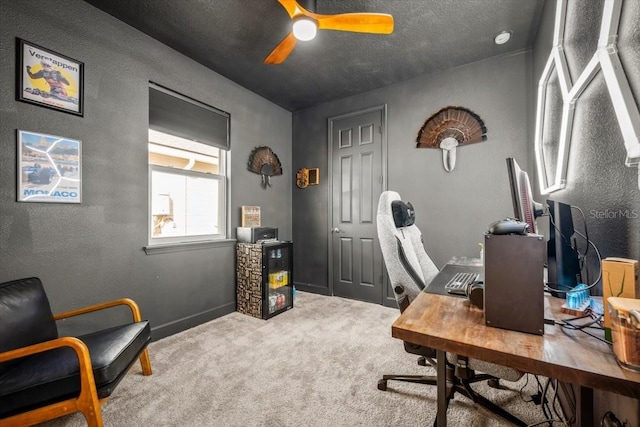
x: 597, y: 180
x: 93, y: 252
x: 453, y: 209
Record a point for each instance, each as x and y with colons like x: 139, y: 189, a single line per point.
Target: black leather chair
x: 44, y: 376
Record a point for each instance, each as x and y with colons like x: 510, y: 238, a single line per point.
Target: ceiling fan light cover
x: 305, y: 29
x: 306, y: 24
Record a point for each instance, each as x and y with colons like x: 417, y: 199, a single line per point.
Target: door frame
x: 383, y: 120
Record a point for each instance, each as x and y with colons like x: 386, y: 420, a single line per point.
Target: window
x: 187, y: 176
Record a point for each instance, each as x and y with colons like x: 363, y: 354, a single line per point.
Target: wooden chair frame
x: 87, y: 401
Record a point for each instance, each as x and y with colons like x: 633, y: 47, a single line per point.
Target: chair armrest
x: 87, y: 401
x: 135, y: 310
x: 82, y: 352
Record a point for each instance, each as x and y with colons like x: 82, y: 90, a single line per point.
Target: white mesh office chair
x: 410, y: 269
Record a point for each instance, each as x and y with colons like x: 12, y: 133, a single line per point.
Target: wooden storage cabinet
x: 264, y: 278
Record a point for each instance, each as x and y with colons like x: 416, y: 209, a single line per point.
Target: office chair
x: 410, y: 269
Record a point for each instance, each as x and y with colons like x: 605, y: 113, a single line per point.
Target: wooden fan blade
x: 293, y: 8
x: 280, y: 53
x: 377, y: 23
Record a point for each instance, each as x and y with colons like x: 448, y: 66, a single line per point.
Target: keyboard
x: 459, y: 282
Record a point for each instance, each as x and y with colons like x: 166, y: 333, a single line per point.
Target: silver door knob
x: 335, y: 230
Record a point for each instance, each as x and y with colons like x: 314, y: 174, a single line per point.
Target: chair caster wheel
x: 382, y: 385
x: 422, y: 361
x: 493, y: 383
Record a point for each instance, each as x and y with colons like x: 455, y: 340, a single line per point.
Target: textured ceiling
x: 232, y: 37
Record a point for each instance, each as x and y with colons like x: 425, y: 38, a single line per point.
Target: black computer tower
x: 514, y: 282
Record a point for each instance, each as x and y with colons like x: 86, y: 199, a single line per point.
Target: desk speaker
x: 514, y: 282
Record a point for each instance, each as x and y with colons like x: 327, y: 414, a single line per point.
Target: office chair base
x: 494, y: 383
x: 482, y: 401
x: 418, y: 379
x: 463, y: 387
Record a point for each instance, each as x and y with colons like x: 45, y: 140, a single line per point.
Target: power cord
x: 566, y: 324
x: 540, y: 398
x: 582, y: 257
x: 547, y: 421
x: 597, y: 254
x: 522, y: 388
x: 555, y: 401
x: 545, y: 402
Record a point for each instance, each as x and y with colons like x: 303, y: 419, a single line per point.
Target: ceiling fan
x: 306, y: 23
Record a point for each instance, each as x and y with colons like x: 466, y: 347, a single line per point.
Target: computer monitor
x: 562, y: 258
x: 563, y: 268
x: 525, y: 209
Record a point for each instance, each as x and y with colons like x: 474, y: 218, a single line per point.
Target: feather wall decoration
x: 451, y: 127
x: 265, y: 163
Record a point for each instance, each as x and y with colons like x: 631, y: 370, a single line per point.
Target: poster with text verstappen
x: 49, y: 168
x: 49, y: 79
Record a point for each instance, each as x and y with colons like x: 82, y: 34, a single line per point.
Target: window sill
x: 187, y: 246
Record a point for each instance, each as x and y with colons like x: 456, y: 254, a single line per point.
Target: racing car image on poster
x: 38, y: 174
x: 49, y: 168
x: 50, y: 79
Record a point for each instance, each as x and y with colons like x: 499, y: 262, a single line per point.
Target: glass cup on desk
x: 625, y: 331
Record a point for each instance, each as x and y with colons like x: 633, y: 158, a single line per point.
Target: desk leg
x: 441, y: 359
x: 585, y: 407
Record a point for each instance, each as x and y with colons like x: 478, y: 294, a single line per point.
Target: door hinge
x: 380, y: 129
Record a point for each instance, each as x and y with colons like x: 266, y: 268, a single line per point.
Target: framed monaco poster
x: 49, y: 168
x: 49, y: 79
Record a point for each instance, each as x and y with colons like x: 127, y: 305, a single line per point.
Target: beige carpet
x: 315, y: 365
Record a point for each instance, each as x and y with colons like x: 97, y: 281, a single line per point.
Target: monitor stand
x: 562, y: 257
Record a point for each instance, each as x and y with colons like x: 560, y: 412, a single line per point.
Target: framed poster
x: 49, y: 168
x: 49, y: 79
x: 250, y: 216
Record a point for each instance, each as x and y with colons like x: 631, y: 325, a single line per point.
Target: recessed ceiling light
x: 503, y: 37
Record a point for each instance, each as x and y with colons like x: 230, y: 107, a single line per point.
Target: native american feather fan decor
x: 264, y: 162
x: 451, y: 127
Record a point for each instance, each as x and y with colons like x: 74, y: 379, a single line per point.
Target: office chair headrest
x: 403, y: 213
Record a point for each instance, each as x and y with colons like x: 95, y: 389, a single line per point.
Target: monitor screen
x: 525, y: 209
x: 562, y: 257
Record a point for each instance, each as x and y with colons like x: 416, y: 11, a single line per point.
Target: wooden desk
x: 452, y: 325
